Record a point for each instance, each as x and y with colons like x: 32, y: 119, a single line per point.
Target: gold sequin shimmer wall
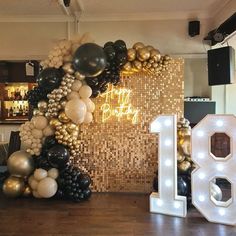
x: 121, y: 156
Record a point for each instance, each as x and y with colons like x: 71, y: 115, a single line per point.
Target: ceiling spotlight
x: 66, y: 3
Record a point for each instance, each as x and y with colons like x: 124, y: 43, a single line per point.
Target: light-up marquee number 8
x: 166, y: 201
x: 210, y: 167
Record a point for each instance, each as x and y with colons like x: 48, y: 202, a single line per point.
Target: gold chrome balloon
x: 155, y: 54
x: 186, y: 145
x: 184, y: 166
x: 42, y: 106
x: 63, y: 117
x: 68, y: 68
x: 131, y: 54
x: 180, y: 157
x: 127, y: 66
x: 20, y: 164
x: 37, y: 112
x: 138, y: 45
x: 27, y: 191
x: 55, y: 122
x: 137, y: 64
x: 143, y: 54
x: 13, y: 186
x: 149, y: 48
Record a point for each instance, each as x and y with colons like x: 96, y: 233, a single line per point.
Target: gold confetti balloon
x: 13, y: 186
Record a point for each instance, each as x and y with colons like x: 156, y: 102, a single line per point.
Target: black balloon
x: 49, y: 142
x: 183, y: 187
x: 58, y: 156
x: 35, y: 95
x: 84, y: 181
x: 110, y: 53
x: 42, y: 162
x: 155, y: 183
x: 87, y: 193
x: 50, y: 79
x: 109, y: 43
x: 120, y: 46
x: 121, y: 58
x: 89, y: 59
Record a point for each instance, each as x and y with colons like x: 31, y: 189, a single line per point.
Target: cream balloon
x: 36, y: 194
x: 37, y: 133
x: 85, y: 91
x: 34, y: 184
x: 48, y: 131
x: 40, y: 174
x: 47, y: 187
x: 40, y: 122
x: 76, y: 85
x: 53, y: 173
x: 89, y: 104
x: 75, y: 109
x: 72, y: 95
x: 88, y: 117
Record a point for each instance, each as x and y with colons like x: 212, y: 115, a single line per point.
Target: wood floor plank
x: 104, y: 214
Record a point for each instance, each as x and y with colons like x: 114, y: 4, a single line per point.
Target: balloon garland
x: 75, y: 72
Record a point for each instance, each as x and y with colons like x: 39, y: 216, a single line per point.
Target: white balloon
x: 89, y: 104
x: 76, y: 85
x: 85, y: 91
x: 40, y: 174
x: 40, y: 122
x: 30, y: 179
x: 37, y: 133
x: 34, y: 184
x: 47, y: 187
x: 36, y: 194
x: 72, y: 95
x: 88, y: 117
x: 48, y: 131
x: 75, y: 109
x: 53, y: 173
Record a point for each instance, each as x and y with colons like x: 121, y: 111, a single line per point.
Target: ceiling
x: 90, y: 10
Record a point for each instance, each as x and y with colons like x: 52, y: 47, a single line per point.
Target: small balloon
x: 27, y: 191
x: 42, y: 106
x: 131, y: 54
x: 84, y: 181
x: 138, y: 45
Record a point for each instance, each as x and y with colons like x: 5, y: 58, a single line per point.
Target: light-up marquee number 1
x: 166, y: 201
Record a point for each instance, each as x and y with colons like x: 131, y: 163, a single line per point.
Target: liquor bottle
x: 17, y: 110
x: 14, y: 111
x: 10, y: 112
x: 23, y: 111
x: 20, y: 111
x: 17, y: 94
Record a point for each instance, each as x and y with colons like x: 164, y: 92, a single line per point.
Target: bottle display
x: 14, y: 102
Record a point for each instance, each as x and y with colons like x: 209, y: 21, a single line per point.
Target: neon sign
x: 123, y: 107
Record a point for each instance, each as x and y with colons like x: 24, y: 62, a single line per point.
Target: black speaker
x: 221, y: 66
x: 193, y: 28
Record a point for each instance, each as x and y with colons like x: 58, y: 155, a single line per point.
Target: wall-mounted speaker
x: 221, y: 66
x: 193, y: 28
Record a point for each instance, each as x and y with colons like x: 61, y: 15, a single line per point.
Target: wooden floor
x: 103, y: 214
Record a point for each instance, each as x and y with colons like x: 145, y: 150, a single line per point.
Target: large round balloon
x: 58, y: 156
x: 20, y: 164
x: 49, y: 79
x: 47, y: 187
x: 13, y: 186
x: 75, y: 110
x: 89, y: 59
